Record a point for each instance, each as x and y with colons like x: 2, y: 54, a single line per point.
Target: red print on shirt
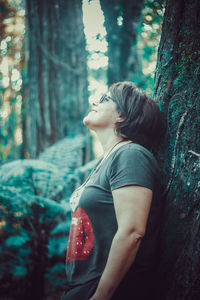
x: 81, y: 237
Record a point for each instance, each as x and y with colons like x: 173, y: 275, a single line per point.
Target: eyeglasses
x: 105, y: 98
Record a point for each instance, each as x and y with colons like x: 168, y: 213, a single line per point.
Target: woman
x: 116, y: 213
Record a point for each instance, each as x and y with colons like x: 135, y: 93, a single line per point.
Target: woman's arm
x: 132, y: 205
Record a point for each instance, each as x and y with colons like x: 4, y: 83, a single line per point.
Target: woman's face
x: 103, y: 114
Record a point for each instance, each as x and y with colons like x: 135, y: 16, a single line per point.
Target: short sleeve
x: 133, y: 166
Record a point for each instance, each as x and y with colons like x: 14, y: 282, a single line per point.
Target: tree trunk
x: 122, y: 17
x: 56, y: 94
x: 178, y: 92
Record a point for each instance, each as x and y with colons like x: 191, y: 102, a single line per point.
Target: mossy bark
x: 177, y: 89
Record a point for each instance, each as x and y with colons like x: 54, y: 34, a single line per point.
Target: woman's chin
x: 89, y: 123
x: 86, y: 121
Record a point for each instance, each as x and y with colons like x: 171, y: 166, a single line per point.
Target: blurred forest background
x: 55, y: 58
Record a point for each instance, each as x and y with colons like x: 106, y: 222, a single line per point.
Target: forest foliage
x: 35, y: 218
x: 14, y: 57
x: 35, y: 191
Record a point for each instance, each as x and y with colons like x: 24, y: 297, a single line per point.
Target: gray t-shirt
x: 94, y: 223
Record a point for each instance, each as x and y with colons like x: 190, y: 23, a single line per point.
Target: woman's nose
x: 95, y: 102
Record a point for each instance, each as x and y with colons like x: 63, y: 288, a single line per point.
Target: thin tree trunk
x: 57, y: 83
x: 123, y: 55
x: 130, y: 60
x: 178, y: 92
x: 55, y: 99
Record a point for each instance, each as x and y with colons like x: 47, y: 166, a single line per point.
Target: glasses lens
x: 105, y: 98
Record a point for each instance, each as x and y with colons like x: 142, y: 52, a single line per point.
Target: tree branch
x: 59, y: 63
x: 194, y: 153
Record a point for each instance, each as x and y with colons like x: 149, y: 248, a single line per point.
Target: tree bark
x: 177, y: 90
x: 56, y: 94
x: 123, y: 55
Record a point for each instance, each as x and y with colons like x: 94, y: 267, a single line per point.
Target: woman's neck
x: 109, y: 139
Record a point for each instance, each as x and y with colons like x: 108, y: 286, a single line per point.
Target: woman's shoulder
x: 133, y: 148
x: 135, y: 153
x: 139, y: 148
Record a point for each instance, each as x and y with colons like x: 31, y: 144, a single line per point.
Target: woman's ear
x: 120, y: 118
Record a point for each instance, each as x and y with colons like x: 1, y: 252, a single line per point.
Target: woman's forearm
x: 122, y: 254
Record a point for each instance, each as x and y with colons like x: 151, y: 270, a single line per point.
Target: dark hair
x: 142, y: 116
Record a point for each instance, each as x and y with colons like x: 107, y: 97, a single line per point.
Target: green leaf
x: 62, y: 227
x: 57, y: 246
x: 19, y: 270
x: 59, y: 267
x: 18, y: 240
x: 56, y: 274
